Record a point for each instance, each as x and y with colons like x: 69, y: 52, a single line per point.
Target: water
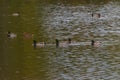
x: 45, y: 21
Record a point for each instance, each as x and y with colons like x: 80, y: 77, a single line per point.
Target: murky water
x: 45, y: 21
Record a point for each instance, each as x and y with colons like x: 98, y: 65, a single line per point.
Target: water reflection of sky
x: 83, y: 62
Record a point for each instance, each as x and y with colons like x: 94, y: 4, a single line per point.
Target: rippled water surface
x: 61, y: 20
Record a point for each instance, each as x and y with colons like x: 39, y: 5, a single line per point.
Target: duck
x: 38, y: 44
x: 95, y: 43
x: 11, y: 35
x: 63, y: 43
x: 96, y: 15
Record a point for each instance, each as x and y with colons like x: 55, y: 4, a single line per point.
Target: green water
x: 20, y: 61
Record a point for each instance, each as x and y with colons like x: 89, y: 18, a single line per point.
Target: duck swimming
x: 95, y: 43
x: 38, y: 44
x: 96, y: 15
x: 63, y: 43
x: 11, y: 35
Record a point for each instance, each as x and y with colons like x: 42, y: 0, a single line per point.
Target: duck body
x: 41, y: 44
x: 64, y: 44
x: 97, y: 44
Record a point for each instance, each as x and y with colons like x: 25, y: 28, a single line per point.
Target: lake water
x: 45, y: 21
